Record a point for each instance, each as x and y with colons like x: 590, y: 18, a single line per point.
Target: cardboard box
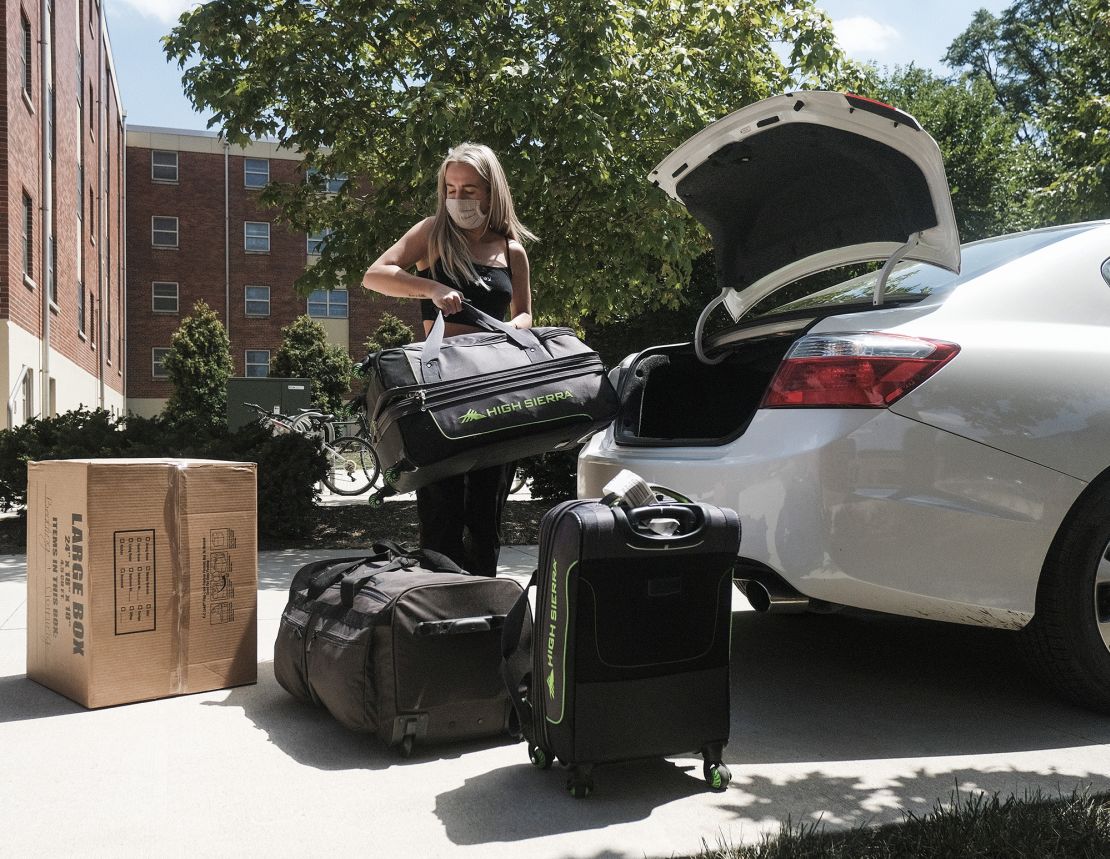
x: 142, y: 577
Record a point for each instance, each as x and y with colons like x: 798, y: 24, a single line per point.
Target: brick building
x: 197, y: 230
x: 61, y: 176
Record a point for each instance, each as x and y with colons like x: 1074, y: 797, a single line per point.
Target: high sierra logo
x: 527, y: 403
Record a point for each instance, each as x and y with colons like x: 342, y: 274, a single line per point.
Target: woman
x: 469, y: 249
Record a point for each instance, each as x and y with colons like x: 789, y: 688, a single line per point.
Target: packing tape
x: 178, y: 534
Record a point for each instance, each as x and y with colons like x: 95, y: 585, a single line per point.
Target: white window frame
x: 315, y: 242
x: 247, y: 237
x: 247, y: 363
x: 154, y: 296
x: 332, y: 184
x: 154, y: 230
x: 329, y: 301
x: 27, y: 55
x: 248, y: 301
x: 156, y: 353
x: 28, y: 230
x: 252, y: 172
x: 155, y: 166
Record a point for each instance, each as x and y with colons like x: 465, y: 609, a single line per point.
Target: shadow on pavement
x: 857, y: 686
x: 312, y: 737
x: 22, y: 699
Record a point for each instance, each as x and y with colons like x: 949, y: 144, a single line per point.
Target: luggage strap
x: 400, y: 558
x: 523, y: 338
x: 516, y: 664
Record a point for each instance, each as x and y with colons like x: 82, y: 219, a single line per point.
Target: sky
x: 887, y: 32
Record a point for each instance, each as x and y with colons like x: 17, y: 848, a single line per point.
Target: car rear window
x: 913, y: 281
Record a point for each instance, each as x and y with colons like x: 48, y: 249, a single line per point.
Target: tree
x: 199, y: 365
x: 986, y: 163
x: 579, y: 97
x: 305, y: 353
x: 390, y: 333
x: 1048, y: 64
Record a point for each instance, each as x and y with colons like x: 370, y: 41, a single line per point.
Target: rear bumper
x: 869, y: 509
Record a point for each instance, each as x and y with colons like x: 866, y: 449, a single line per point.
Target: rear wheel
x: 1068, y: 640
x: 352, y: 466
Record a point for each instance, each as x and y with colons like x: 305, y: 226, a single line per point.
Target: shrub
x: 390, y: 333
x: 289, y: 466
x: 199, y: 365
x: 305, y: 353
x: 553, y: 475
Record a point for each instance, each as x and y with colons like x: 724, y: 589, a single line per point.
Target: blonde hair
x: 447, y: 242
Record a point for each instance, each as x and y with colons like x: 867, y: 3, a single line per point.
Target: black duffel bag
x: 401, y: 643
x: 450, y: 405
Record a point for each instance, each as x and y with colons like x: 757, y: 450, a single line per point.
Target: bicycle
x: 352, y: 464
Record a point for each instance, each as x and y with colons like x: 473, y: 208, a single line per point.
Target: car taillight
x: 854, y: 370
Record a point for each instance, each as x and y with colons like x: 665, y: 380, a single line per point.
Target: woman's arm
x: 520, y: 307
x: 388, y: 274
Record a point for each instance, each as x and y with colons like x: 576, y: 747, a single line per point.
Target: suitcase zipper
x: 491, y: 337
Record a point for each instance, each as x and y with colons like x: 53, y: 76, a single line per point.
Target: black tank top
x: 495, y: 300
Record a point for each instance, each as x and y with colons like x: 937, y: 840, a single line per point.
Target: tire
x: 312, y: 425
x: 1068, y: 641
x: 352, y: 467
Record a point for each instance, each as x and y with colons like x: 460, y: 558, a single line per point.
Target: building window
x: 81, y: 190
x: 331, y: 184
x: 316, y: 242
x: 28, y: 395
x: 256, y: 172
x: 158, y: 362
x: 92, y: 108
x: 258, y: 362
x: 28, y: 239
x: 52, y: 262
x: 163, y: 232
x: 92, y: 214
x: 258, y: 300
x: 163, y: 166
x: 81, y: 308
x: 163, y: 297
x: 328, y: 303
x: 256, y: 237
x: 28, y: 55
x: 50, y: 142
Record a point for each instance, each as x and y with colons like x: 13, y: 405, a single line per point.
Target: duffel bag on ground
x: 401, y: 643
x: 450, y: 405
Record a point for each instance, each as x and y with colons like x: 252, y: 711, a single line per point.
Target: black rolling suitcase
x: 400, y: 643
x: 450, y: 405
x: 630, y: 654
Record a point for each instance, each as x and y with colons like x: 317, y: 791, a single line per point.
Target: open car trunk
x: 670, y: 398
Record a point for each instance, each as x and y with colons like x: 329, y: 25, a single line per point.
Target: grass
x: 1033, y: 827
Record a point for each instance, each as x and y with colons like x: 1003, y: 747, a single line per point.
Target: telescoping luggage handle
x: 527, y: 341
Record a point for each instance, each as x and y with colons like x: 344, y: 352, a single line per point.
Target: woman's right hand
x: 446, y: 299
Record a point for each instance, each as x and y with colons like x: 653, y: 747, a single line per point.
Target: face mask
x: 467, y: 214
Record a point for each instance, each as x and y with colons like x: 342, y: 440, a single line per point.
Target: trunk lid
x: 804, y: 182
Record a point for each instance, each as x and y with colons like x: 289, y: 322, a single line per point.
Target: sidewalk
x: 845, y: 718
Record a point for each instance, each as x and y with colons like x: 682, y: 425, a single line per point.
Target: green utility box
x: 286, y: 396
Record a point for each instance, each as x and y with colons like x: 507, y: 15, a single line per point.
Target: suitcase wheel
x: 539, y: 756
x: 717, y: 775
x: 580, y: 788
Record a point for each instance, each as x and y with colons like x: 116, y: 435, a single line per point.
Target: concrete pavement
x: 846, y: 718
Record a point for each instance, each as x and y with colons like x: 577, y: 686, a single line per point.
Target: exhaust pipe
x: 773, y: 597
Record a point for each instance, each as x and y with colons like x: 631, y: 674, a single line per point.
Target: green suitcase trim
x: 554, y: 650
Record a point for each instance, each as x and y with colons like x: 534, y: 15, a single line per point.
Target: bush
x: 289, y: 466
x: 305, y: 353
x: 390, y: 333
x: 199, y: 365
x: 553, y: 475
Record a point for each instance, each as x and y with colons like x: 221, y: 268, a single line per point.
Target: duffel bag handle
x: 402, y: 558
x: 523, y: 338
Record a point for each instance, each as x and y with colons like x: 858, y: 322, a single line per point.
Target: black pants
x: 472, y: 503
